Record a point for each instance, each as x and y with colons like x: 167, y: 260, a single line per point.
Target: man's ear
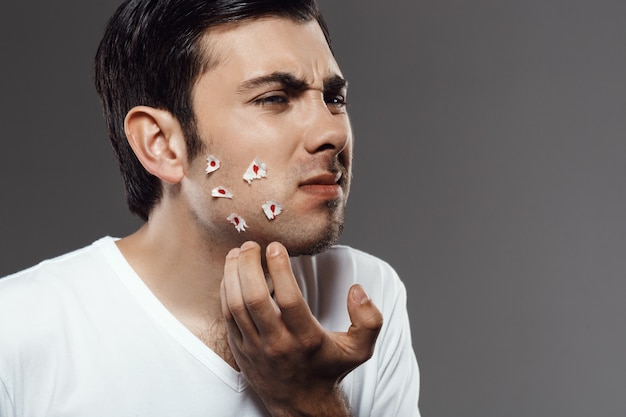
x: 157, y: 139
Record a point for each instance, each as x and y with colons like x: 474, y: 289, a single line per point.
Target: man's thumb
x: 366, y: 320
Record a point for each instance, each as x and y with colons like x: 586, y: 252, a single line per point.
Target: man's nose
x: 326, y: 130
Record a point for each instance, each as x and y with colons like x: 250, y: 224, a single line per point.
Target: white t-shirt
x: 82, y: 336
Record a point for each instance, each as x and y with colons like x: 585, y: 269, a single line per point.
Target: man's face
x: 276, y: 96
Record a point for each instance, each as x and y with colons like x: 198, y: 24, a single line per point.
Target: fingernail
x: 248, y: 245
x: 273, y: 249
x: 359, y: 295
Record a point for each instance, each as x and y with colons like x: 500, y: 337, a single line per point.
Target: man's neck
x: 184, y: 272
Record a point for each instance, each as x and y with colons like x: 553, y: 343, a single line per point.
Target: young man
x: 229, y: 122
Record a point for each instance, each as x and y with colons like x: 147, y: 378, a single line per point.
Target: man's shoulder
x: 51, y: 274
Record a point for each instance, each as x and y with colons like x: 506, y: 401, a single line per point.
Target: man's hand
x: 291, y: 362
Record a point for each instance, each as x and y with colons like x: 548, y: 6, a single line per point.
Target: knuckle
x: 228, y: 316
x: 288, y: 304
x: 275, y: 350
x: 378, y: 321
x: 256, y: 302
x: 248, y: 349
x: 237, y: 308
x: 311, y: 342
x: 374, y: 321
x: 284, y: 347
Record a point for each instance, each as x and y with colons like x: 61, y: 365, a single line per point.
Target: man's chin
x: 325, y: 240
x: 302, y: 237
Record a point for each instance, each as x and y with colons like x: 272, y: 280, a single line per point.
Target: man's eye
x: 336, y: 103
x: 272, y: 99
x: 336, y: 100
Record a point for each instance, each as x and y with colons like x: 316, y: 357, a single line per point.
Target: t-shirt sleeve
x: 6, y: 404
x: 398, y: 384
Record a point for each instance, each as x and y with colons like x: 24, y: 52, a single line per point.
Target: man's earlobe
x: 157, y: 139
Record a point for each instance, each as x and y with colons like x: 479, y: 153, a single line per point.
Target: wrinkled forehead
x: 265, y: 45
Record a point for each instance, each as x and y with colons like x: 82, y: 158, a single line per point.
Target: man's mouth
x: 325, y: 185
x: 327, y: 178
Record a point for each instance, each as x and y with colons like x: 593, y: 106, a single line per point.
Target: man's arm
x: 291, y: 362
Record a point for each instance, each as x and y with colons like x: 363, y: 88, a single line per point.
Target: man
x: 229, y: 122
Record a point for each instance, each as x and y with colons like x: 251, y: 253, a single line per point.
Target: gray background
x: 490, y: 171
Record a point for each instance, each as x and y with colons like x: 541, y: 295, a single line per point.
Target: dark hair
x: 151, y: 55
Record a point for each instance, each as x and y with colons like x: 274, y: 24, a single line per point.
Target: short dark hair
x: 151, y: 54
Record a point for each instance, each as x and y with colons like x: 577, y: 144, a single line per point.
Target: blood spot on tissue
x: 238, y: 222
x: 213, y: 164
x: 272, y: 209
x: 221, y: 192
x: 255, y: 171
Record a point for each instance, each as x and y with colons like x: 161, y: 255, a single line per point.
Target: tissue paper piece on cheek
x: 272, y: 209
x: 212, y: 164
x: 256, y: 170
x: 221, y: 192
x: 238, y: 222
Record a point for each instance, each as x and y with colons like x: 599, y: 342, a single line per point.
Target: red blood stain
x: 255, y: 168
x: 236, y: 219
x: 221, y: 191
x: 272, y: 208
x: 213, y: 163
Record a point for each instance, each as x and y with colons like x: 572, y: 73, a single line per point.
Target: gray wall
x: 490, y: 172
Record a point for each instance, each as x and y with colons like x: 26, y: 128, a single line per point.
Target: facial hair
x: 328, y: 236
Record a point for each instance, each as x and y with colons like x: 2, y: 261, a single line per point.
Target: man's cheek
x: 254, y: 200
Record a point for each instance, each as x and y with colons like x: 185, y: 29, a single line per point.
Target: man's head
x: 254, y: 82
x: 152, y: 54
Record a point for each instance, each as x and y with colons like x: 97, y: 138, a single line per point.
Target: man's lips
x: 324, y: 185
x: 329, y: 178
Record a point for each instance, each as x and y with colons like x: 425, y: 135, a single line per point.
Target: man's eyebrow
x: 289, y: 81
x: 335, y: 83
x: 284, y: 79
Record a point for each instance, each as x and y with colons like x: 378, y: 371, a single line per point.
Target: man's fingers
x: 233, y: 304
x: 231, y: 325
x: 366, y: 320
x: 294, y: 310
x: 246, y: 298
x: 256, y: 295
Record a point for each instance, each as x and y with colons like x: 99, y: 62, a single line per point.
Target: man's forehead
x: 256, y: 47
